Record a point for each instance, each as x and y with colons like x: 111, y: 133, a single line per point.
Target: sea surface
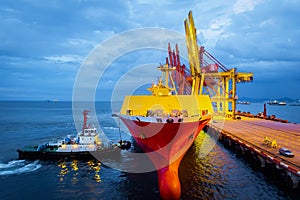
x: 218, y: 175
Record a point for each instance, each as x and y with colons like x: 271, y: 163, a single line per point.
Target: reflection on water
x: 95, y: 165
x: 65, y: 167
x: 221, y: 175
x: 64, y: 170
x: 78, y: 179
x: 218, y: 174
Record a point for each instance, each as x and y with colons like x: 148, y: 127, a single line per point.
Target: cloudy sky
x: 44, y: 43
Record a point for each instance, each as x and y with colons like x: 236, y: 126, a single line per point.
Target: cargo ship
x: 165, y: 124
x: 85, y: 145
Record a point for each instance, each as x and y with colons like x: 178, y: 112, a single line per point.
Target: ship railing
x: 76, y: 147
x: 42, y: 146
x: 161, y: 113
x: 164, y: 119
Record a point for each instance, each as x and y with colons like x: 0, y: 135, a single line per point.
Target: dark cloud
x: 44, y: 43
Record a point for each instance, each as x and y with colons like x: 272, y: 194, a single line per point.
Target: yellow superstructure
x: 181, y: 105
x: 165, y: 101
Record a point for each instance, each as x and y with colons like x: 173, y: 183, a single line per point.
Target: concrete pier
x: 261, y: 139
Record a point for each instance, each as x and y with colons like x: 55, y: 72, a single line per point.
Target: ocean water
x: 218, y: 175
x: 290, y: 113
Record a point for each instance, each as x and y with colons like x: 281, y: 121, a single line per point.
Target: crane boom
x: 193, y: 53
x: 205, y: 77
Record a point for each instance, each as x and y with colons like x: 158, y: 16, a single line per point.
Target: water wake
x: 18, y: 167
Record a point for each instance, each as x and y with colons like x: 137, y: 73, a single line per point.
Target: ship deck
x: 34, y: 149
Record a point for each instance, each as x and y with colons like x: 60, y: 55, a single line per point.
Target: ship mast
x: 85, y: 112
x: 162, y: 88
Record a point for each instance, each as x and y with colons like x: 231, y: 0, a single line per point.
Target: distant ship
x: 275, y: 102
x: 166, y: 125
x: 282, y: 103
x: 243, y: 102
x: 54, y: 100
x: 295, y: 104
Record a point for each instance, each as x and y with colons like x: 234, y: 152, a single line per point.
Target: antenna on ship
x: 162, y: 88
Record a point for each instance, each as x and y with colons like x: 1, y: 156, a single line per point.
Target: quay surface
x: 249, y: 134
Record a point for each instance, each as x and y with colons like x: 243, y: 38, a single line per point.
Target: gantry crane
x: 206, y: 75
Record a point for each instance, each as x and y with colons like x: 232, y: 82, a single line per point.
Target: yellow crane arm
x: 189, y: 48
x: 193, y: 52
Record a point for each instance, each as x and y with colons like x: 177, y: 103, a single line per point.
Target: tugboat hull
x: 31, y: 153
x: 47, y: 155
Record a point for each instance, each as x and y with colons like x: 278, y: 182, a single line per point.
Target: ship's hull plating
x: 165, y: 143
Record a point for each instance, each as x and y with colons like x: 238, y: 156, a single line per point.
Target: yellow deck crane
x: 193, y: 54
x: 209, y: 76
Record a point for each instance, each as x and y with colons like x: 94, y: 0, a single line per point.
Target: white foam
x: 11, y: 164
x: 18, y: 167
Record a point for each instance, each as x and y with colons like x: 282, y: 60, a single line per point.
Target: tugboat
x: 84, y: 146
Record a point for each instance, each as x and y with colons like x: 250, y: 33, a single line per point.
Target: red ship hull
x: 166, y: 144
